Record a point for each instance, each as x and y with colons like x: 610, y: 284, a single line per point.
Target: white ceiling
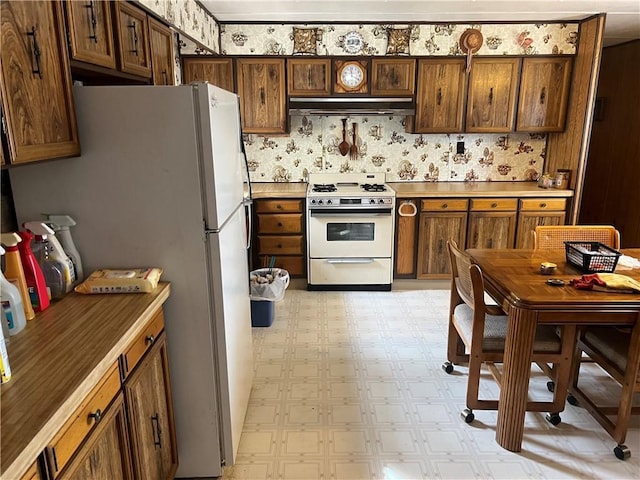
x: 622, y: 22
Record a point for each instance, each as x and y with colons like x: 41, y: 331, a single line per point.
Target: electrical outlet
x: 460, y: 148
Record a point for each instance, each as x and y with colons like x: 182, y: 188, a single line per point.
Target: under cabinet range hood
x: 351, y: 106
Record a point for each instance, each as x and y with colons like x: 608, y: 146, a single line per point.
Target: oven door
x: 350, y: 233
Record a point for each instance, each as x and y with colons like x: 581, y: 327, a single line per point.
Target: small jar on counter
x: 562, y: 178
x: 546, y: 181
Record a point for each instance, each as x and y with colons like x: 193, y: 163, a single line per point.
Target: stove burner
x: 373, y: 187
x: 324, y: 187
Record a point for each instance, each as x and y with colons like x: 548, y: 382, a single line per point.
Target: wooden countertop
x: 425, y: 190
x: 55, y: 362
x: 475, y: 189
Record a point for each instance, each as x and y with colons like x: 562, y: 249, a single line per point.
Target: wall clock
x: 351, y: 76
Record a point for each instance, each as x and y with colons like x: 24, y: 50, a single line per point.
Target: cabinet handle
x: 279, y: 224
x: 543, y: 95
x: 92, y: 21
x: 157, y: 432
x: 36, y: 52
x: 490, y: 96
x: 132, y: 25
x: 97, y: 416
x: 494, y: 205
x: 490, y: 243
x: 149, y: 340
x: 165, y: 77
x: 393, y: 77
x: 411, y: 213
x: 439, y: 97
x: 55, y: 458
x: 445, y: 205
x: 309, y: 77
x: 279, y: 245
x: 262, y: 99
x: 543, y: 205
x: 440, y: 246
x: 279, y: 207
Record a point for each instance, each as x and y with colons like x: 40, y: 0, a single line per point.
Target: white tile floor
x: 348, y: 386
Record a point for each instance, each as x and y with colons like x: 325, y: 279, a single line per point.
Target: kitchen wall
x: 384, y: 146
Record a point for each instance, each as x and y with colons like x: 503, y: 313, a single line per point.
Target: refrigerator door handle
x: 248, y: 207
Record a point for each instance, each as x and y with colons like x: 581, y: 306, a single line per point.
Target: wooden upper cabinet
x: 309, y: 77
x: 216, y: 71
x: 440, y: 100
x: 262, y: 93
x: 491, y: 100
x: 393, y: 76
x: 161, y: 45
x: 132, y: 39
x: 37, y: 101
x: 91, y: 32
x: 544, y: 94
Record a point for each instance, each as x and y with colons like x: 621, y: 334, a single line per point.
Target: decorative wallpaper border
x: 424, y: 39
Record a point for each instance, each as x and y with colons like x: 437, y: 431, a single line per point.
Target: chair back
x: 552, y: 237
x: 467, y: 277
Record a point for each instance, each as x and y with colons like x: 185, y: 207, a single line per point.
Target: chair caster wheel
x: 572, y: 400
x: 553, y: 418
x: 551, y: 386
x: 467, y: 415
x: 622, y: 452
x: 447, y: 367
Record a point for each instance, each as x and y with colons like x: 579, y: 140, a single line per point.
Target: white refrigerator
x: 162, y: 182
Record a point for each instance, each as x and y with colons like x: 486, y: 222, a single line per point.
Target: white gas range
x: 350, y: 226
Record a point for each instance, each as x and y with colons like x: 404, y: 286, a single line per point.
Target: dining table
x: 513, y: 278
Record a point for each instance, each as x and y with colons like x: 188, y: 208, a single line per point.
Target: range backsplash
x: 384, y: 146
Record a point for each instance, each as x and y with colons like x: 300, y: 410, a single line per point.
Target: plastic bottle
x: 11, y: 303
x: 14, y: 272
x: 5, y: 370
x: 54, y: 269
x: 61, y: 224
x: 33, y: 274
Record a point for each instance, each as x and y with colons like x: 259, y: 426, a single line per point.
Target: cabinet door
x: 544, y: 93
x: 150, y: 415
x: 90, y: 32
x: 309, y: 77
x: 393, y: 76
x: 105, y: 454
x: 133, y: 41
x: 491, y: 101
x: 435, y: 230
x: 491, y: 230
x: 262, y: 95
x: 37, y: 101
x: 406, y: 239
x: 528, y: 221
x: 440, y: 102
x: 161, y: 44
x: 216, y: 71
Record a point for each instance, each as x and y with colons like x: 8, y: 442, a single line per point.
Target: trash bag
x: 268, y: 284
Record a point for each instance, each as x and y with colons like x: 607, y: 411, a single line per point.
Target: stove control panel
x: 349, y: 202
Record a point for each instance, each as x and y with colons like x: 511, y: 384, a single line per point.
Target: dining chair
x: 552, y: 237
x: 477, y: 333
x: 608, y: 346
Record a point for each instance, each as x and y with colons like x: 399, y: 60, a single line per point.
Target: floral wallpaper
x: 425, y: 39
x: 384, y: 146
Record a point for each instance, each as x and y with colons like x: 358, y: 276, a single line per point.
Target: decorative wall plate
x: 353, y: 42
x: 305, y: 40
x: 398, y: 41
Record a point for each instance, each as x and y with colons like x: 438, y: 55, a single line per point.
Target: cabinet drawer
x: 276, y: 223
x: 278, y: 206
x: 86, y: 416
x: 294, y: 264
x: 542, y: 204
x: 280, y: 245
x: 493, y: 204
x: 445, y: 205
x: 141, y: 344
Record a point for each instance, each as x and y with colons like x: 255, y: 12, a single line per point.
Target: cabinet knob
x: 149, y: 340
x: 445, y: 205
x: 543, y: 205
x: 97, y: 415
x: 279, y: 224
x: 494, y: 205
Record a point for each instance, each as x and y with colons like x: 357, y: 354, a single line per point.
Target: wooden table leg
x: 514, y: 386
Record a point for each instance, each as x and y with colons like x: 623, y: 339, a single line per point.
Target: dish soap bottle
x: 33, y: 274
x: 57, y: 253
x: 55, y: 271
x: 11, y: 304
x: 61, y: 224
x: 13, y: 270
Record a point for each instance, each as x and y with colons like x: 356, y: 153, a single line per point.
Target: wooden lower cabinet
x: 492, y: 223
x: 406, y: 238
x: 538, y: 211
x: 105, y: 453
x: 150, y: 415
x: 441, y: 220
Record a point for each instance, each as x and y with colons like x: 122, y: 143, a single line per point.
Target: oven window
x: 350, y: 232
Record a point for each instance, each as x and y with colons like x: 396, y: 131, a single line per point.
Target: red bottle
x: 33, y: 274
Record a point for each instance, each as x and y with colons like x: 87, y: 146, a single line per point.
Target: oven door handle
x: 349, y: 260
x: 384, y: 213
